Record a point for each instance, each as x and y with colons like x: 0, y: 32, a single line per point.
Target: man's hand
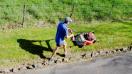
x: 70, y: 31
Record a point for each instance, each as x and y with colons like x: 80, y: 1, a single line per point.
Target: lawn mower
x: 84, y: 39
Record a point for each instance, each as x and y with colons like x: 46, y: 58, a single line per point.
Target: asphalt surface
x: 121, y: 64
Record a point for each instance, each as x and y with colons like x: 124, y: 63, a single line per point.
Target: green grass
x: 50, y: 10
x: 109, y: 36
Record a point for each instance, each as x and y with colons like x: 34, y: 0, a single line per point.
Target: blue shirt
x: 62, y: 32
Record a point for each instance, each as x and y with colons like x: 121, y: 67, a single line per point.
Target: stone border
x: 73, y: 58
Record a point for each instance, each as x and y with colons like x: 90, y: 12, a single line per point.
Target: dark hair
x: 65, y: 21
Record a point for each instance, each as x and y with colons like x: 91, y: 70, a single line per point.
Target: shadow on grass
x: 28, y: 45
x: 62, y: 55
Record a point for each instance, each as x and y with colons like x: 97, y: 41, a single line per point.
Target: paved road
x: 116, y: 65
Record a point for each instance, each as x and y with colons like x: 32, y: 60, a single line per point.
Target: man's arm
x: 69, y: 33
x: 69, y: 36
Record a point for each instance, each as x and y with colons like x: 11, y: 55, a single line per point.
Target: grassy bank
x: 23, y: 44
x: 50, y: 10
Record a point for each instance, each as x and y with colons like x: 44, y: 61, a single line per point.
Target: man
x: 62, y: 32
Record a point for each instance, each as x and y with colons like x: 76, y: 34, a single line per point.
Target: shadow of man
x: 34, y: 49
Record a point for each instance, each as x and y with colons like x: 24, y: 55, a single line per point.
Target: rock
x: 29, y: 67
x: 117, y: 50
x: 84, y: 55
x: 124, y: 49
x: 34, y: 65
x: 113, y: 51
x: 107, y: 52
x: 59, y: 60
x: 1, y: 71
x: 45, y: 63
x: 102, y: 52
x: 65, y: 60
x: 98, y: 52
x: 22, y: 68
x: 39, y: 65
x: 129, y: 48
x: 13, y: 70
x: 55, y: 61
x: 50, y: 62
x: 94, y: 54
x: 88, y: 55
x: 19, y: 68
x: 6, y: 71
x: 121, y: 49
x: 70, y: 59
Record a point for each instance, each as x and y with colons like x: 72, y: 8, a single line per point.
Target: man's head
x: 67, y: 20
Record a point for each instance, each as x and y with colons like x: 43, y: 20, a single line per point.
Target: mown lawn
x: 23, y: 44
